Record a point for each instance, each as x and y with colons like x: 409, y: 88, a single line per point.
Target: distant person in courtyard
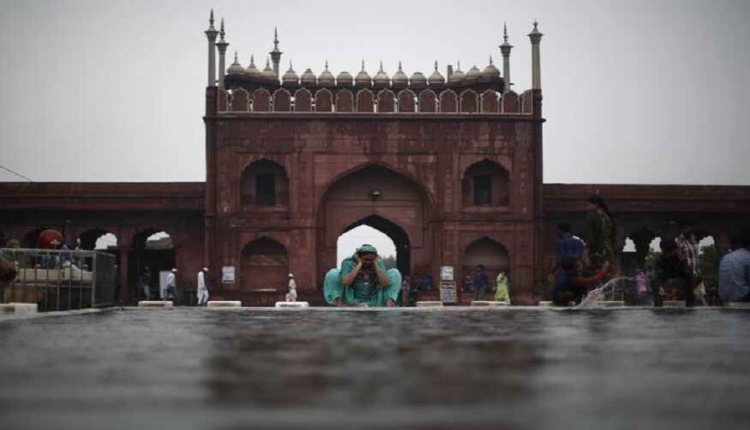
x: 481, y: 282
x: 291, y: 295
x: 570, y: 287
x: 688, y: 250
x: 145, y: 281
x: 202, y: 292
x: 405, y: 290
x: 734, y: 270
x: 567, y: 246
x: 599, y: 234
x: 362, y: 280
x: 674, y: 275
x: 501, y: 288
x: 171, y: 287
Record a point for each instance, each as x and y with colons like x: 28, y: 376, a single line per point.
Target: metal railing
x: 60, y: 279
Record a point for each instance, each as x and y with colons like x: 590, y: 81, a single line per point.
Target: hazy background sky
x: 642, y: 91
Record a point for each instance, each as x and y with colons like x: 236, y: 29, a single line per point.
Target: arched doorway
x: 392, y: 231
x: 488, y: 253
x: 265, y: 265
x: 151, y: 257
x: 382, y: 198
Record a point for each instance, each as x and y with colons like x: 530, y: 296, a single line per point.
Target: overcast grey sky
x: 641, y: 91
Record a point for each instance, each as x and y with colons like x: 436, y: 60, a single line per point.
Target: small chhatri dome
x: 472, y: 75
x: 381, y: 79
x: 458, y: 76
x: 268, y: 72
x: 363, y: 78
x: 436, y: 78
x: 399, y: 80
x: 490, y: 72
x: 418, y: 80
x: 326, y: 78
x: 236, y: 68
x: 252, y: 70
x: 308, y: 79
x: 344, y: 80
x: 290, y: 78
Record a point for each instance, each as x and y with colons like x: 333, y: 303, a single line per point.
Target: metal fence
x: 60, y: 279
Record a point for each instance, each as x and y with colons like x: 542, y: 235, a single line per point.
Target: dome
x: 457, y: 76
x: 363, y: 79
x: 236, y: 68
x: 418, y: 80
x: 252, y: 70
x: 381, y: 79
x: 326, y: 78
x: 436, y: 78
x: 308, y: 79
x: 290, y: 78
x: 344, y: 79
x: 399, y: 79
x: 473, y: 75
x: 268, y: 72
x: 490, y: 72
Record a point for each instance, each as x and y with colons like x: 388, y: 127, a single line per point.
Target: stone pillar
x: 222, y: 47
x: 211, y: 34
x: 124, y: 246
x: 536, y: 71
x: 642, y: 239
x: 505, y: 50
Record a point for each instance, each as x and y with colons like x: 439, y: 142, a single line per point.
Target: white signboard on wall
x: 227, y: 274
x: 446, y: 273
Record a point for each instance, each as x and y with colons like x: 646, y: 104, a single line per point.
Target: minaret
x: 536, y: 71
x: 211, y: 34
x: 276, y: 54
x: 222, y: 46
x: 505, y: 50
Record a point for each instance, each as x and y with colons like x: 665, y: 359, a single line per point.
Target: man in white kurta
x: 202, y: 288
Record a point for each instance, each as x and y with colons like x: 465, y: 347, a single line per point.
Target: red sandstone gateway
x: 448, y: 166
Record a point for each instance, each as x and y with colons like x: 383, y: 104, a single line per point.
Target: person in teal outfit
x: 362, y: 280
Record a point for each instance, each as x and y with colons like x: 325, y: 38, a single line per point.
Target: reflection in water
x: 447, y: 369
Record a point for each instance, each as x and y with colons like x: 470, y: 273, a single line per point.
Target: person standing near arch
x: 362, y: 280
x: 599, y: 234
x: 202, y: 292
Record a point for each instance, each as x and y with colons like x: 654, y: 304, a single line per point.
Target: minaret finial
x: 275, y: 37
x: 381, y: 65
x: 436, y: 65
x: 252, y: 59
x: 235, y: 56
x: 221, y: 32
x: 363, y: 65
x: 326, y: 64
x: 290, y: 64
x: 505, y: 32
x: 268, y: 62
x: 211, y: 18
x: 491, y: 60
x: 399, y: 66
x: 458, y: 62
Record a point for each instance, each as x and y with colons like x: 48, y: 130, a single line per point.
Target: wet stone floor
x: 371, y: 369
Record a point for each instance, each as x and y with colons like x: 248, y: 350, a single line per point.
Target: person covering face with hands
x: 362, y: 280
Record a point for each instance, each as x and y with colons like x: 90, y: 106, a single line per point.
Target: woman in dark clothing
x: 599, y: 233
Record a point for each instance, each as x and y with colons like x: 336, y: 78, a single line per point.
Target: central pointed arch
x: 395, y: 232
x: 383, y: 198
